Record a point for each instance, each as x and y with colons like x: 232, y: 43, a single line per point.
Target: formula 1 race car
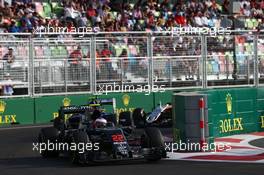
x: 89, y: 135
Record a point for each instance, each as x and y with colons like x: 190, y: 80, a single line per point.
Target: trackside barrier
x: 42, y: 109
x: 44, y: 64
x: 235, y: 110
x: 202, y: 122
x: 17, y: 111
x: 190, y: 117
x: 226, y: 111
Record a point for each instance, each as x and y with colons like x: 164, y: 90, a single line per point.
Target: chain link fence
x: 14, y: 64
x: 122, y: 59
x: 176, y: 60
x: 62, y: 65
x: 118, y: 61
x: 232, y: 58
x: 261, y: 58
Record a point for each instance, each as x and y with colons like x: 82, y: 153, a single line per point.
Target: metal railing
x: 47, y: 65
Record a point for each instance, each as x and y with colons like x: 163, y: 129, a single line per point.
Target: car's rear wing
x: 83, y: 108
x: 110, y: 101
x: 73, y: 109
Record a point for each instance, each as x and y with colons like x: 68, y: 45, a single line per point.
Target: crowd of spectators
x: 122, y: 15
x: 252, y: 8
x: 142, y: 15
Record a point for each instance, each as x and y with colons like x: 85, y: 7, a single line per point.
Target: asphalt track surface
x: 17, y: 157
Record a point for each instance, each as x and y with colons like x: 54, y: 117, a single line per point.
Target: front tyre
x: 48, y: 135
x: 153, y: 144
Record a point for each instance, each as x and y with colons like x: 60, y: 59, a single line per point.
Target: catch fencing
x: 52, y: 64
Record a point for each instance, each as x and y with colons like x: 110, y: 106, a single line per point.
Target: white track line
x: 24, y: 127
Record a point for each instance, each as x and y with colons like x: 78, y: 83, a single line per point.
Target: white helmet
x: 100, y: 123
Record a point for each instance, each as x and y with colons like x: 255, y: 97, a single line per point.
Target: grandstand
x: 133, y: 45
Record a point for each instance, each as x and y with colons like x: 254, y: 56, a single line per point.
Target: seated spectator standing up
x: 9, y: 58
x: 180, y: 19
x: 75, y: 64
x: 7, y: 88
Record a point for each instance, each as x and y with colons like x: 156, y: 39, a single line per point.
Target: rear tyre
x: 139, y: 117
x: 48, y: 135
x: 125, y: 119
x: 153, y: 140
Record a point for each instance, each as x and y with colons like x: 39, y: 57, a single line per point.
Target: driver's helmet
x: 100, y: 123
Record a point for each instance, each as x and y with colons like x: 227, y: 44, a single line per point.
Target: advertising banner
x: 16, y: 111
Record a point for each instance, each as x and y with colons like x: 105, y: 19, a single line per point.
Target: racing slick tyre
x: 139, y: 117
x: 58, y: 123
x: 46, y: 136
x: 153, y: 140
x: 80, y: 157
x: 125, y: 119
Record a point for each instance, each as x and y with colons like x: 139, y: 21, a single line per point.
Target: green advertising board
x: 260, y: 108
x: 16, y: 110
x: 46, y: 108
x: 233, y: 111
x: 162, y: 97
x: 131, y: 101
x: 230, y: 111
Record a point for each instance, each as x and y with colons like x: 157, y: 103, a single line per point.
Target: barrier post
x: 202, y: 123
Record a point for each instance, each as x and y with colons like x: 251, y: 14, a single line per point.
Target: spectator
x: 7, y: 88
x: 144, y: 15
x: 13, y: 28
x: 198, y: 19
x: 124, y: 60
x: 106, y: 53
x: 226, y: 7
x: 9, y: 58
x: 71, y: 13
x: 75, y: 59
x: 180, y: 19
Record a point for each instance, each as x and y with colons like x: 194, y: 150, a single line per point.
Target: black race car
x: 89, y: 135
